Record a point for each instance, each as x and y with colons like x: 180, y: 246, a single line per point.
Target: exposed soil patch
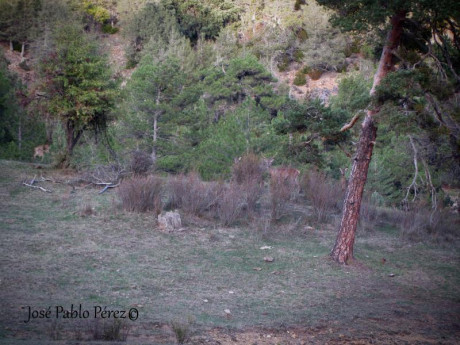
x: 323, y: 88
x: 14, y: 59
x: 116, y: 49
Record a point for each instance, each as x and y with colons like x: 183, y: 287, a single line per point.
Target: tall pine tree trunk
x: 72, y: 137
x: 343, y: 248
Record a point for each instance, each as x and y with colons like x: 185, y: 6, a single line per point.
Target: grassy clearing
x: 53, y: 254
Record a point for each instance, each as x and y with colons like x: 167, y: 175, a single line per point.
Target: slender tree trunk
x: 72, y: 138
x: 155, y: 128
x: 11, y: 46
x: 20, y: 134
x: 155, y: 138
x: 23, y: 50
x: 343, y: 248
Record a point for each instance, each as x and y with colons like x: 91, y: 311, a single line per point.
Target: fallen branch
x: 107, y: 187
x: 103, y: 183
x: 37, y: 187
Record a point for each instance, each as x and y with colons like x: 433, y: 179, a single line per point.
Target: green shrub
x: 300, y: 78
x: 109, y: 29
x: 283, y: 65
x: 351, y: 48
x: 306, y: 69
x: 302, y: 34
x: 298, y: 55
x: 341, y: 67
x: 182, y: 330
x: 367, y: 51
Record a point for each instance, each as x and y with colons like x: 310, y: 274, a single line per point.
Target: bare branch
x: 351, y: 123
x: 36, y: 187
x: 429, y: 182
x: 413, y: 184
x: 108, y: 186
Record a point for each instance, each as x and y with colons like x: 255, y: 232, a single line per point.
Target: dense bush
x: 141, y: 194
x: 191, y: 194
x: 231, y: 203
x: 282, y: 190
x: 248, y: 172
x: 422, y: 224
x: 109, y: 29
x: 141, y: 162
x: 315, y: 73
x: 322, y: 192
x: 300, y: 79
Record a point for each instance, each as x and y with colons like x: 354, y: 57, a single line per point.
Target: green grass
x: 53, y: 256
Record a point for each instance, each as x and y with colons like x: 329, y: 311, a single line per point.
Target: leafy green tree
x: 153, y: 92
x: 243, y: 77
x: 77, y: 84
x: 409, y: 25
x: 8, y: 106
x: 18, y: 21
x: 20, y: 131
x: 154, y: 22
x: 202, y: 18
x: 312, y: 128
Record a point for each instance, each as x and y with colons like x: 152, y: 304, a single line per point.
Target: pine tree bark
x: 72, y: 137
x: 343, y: 248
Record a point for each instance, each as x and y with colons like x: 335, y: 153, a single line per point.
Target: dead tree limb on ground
x: 31, y: 185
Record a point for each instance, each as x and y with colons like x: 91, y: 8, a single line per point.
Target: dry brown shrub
x: 424, y: 224
x: 141, y: 194
x: 247, y: 169
x: 369, y: 214
x: 315, y: 73
x: 231, y: 204
x: 141, y: 162
x: 323, y: 193
x: 281, y: 192
x: 191, y: 194
x: 248, y: 172
x: 87, y: 211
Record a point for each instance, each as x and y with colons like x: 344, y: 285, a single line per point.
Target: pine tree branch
x: 351, y: 123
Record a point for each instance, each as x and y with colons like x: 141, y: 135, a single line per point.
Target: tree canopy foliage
x: 207, y: 71
x: 76, y: 79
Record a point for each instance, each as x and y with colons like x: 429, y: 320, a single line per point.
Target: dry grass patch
x: 52, y: 256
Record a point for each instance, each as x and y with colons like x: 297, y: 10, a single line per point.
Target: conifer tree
x: 410, y: 24
x: 77, y: 85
